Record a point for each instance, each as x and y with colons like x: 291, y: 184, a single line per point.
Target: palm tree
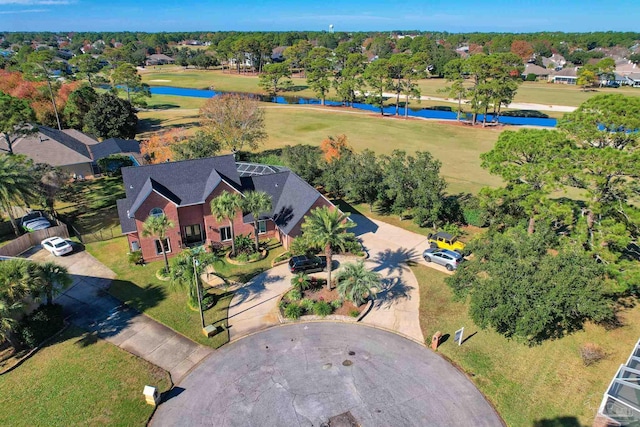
x: 16, y: 281
x: 157, y: 226
x: 327, y: 228
x: 17, y: 185
x: 224, y: 207
x: 52, y: 274
x: 256, y: 203
x: 355, y: 281
x: 182, y: 272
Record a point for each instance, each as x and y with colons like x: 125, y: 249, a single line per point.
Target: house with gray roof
x: 568, y: 76
x: 70, y: 150
x: 159, y: 59
x: 183, y: 192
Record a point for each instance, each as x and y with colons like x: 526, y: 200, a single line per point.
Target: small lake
x: 427, y: 113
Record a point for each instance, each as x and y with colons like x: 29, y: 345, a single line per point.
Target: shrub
x: 452, y: 229
x: 353, y: 247
x: 283, y: 256
x: 293, y: 311
x: 322, y: 308
x: 41, y: 324
x: 294, y: 295
x: 307, y: 304
x: 301, y: 246
x: 255, y: 256
x: 135, y: 258
x: 336, y: 303
x: 244, y: 245
x: 531, y: 77
x: 591, y: 354
x: 242, y: 258
x: 475, y: 217
x: 354, y: 313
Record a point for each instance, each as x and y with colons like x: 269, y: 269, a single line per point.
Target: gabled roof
x: 114, y: 146
x: 51, y: 146
x: 291, y: 197
x: 184, y: 183
x: 82, y: 137
x: 535, y: 69
x: 566, y: 72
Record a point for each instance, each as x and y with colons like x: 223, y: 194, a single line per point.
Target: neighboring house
x: 277, y: 54
x: 556, y: 61
x: 633, y: 79
x: 183, y: 192
x: 71, y: 150
x: 159, y: 59
x: 627, y: 67
x: 540, y: 72
x: 568, y: 76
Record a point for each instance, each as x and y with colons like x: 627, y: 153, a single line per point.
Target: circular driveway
x: 306, y: 374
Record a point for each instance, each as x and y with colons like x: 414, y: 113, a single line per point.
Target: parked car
x: 34, y: 221
x: 443, y: 240
x: 449, y: 259
x: 57, y: 246
x: 307, y: 264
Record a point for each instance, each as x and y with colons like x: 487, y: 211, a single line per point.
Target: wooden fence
x: 29, y: 240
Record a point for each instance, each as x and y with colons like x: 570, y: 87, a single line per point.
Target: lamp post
x: 197, y: 284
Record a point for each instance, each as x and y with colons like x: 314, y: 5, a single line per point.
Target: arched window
x: 156, y: 212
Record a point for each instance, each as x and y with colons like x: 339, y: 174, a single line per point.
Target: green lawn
x: 527, y: 385
x: 91, y: 205
x: 79, y: 380
x: 139, y: 287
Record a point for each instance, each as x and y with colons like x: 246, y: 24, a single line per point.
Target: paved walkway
x: 94, y: 310
x: 308, y: 374
x: 254, y: 305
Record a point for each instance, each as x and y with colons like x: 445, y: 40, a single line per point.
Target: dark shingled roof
x: 291, y: 197
x: 114, y: 146
x: 191, y: 181
x: 66, y: 140
x: 184, y: 183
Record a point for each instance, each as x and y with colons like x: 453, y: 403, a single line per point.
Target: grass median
x: 529, y: 386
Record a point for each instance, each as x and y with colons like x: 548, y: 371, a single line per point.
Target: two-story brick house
x: 183, y: 192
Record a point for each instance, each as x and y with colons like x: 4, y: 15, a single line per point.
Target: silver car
x: 449, y: 259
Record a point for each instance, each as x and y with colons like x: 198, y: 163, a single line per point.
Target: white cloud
x: 37, y: 2
x: 7, y: 12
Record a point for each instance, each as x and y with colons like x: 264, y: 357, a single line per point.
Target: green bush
x: 354, y: 313
x: 41, y: 324
x: 336, y: 303
x: 322, y: 308
x: 307, y: 304
x: 452, y: 229
x: 294, y: 295
x: 301, y: 281
x: 475, y: 217
x: 283, y: 256
x: 244, y: 245
x: 300, y: 246
x: 135, y: 258
x: 242, y: 258
x: 293, y: 311
x: 531, y: 77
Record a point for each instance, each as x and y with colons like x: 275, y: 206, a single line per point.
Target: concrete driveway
x: 307, y: 374
x: 94, y: 310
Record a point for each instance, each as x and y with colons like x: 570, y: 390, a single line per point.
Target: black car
x: 307, y: 264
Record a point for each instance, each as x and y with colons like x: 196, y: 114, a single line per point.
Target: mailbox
x: 151, y: 395
x: 435, y: 340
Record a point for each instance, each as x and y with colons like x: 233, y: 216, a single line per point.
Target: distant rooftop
x: 256, y: 169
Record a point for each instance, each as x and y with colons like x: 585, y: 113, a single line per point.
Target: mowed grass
x: 545, y: 385
x: 457, y: 147
x: 139, y: 287
x: 79, y: 380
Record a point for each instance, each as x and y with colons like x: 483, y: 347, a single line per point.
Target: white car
x: 57, y: 246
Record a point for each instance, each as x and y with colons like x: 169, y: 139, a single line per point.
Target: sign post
x: 458, y: 336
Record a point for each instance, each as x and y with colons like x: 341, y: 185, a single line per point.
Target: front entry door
x: 192, y: 234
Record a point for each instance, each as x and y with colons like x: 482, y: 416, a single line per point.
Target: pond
x: 427, y: 113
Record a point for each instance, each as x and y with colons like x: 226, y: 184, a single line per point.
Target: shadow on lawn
x: 566, y: 421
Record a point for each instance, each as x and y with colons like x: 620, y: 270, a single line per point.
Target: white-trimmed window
x: 156, y: 212
x: 225, y: 234
x: 167, y: 246
x: 262, y: 227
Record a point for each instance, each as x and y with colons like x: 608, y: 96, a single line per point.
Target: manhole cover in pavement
x: 343, y: 420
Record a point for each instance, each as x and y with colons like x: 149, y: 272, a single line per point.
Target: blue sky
x: 345, y: 15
